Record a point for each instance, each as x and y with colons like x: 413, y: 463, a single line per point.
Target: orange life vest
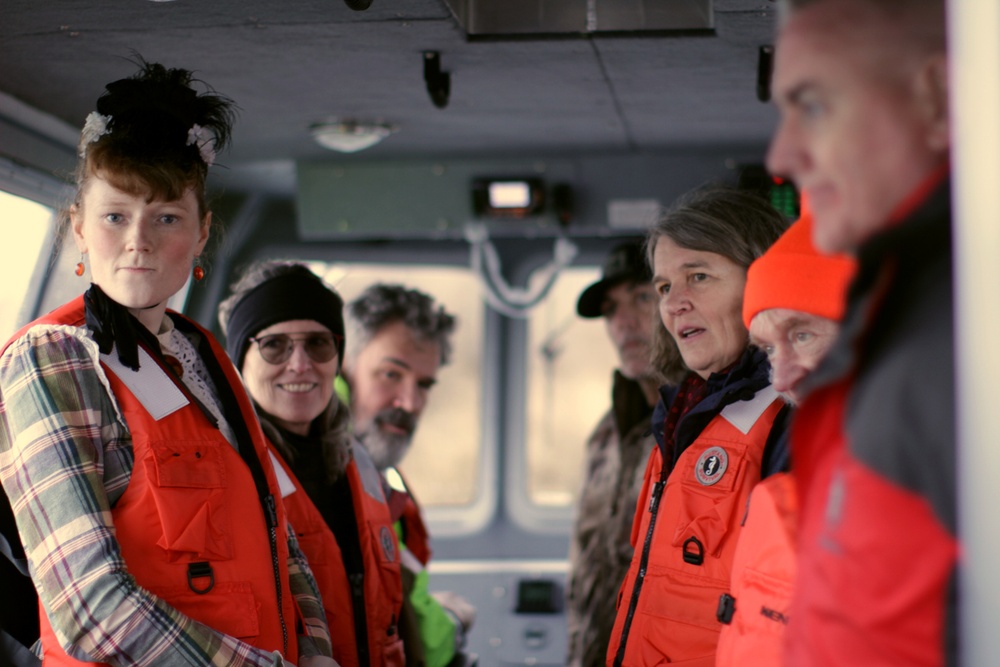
x: 383, y: 586
x: 763, y: 573
x: 406, y: 511
x: 191, y: 526
x: 685, y: 535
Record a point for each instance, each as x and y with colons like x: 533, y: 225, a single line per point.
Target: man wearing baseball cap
x: 600, y: 550
x: 793, y: 302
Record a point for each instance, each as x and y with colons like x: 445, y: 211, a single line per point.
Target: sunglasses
x: 320, y: 346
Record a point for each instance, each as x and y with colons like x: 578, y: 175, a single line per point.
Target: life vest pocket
x: 229, y: 607
x: 675, y: 622
x: 708, y: 497
x: 386, y: 544
x: 316, y: 545
x: 191, y: 481
x: 763, y: 602
x: 326, y: 563
x: 393, y: 654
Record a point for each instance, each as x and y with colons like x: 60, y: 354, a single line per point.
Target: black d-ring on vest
x: 694, y: 557
x: 198, y: 571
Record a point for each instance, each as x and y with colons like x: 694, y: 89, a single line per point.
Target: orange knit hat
x: 792, y: 274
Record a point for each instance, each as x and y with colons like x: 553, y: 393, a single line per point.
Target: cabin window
x: 570, y: 364
x: 27, y: 227
x: 443, y: 465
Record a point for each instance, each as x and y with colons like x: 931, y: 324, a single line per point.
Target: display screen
x: 510, y: 194
x: 508, y: 197
x: 537, y: 596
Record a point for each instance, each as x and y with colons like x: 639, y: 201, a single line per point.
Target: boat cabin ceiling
x: 628, y: 80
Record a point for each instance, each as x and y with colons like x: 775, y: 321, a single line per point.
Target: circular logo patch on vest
x: 711, y: 466
x: 388, y: 544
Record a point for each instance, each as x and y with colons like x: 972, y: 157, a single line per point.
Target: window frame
x: 528, y: 515
x: 50, y: 192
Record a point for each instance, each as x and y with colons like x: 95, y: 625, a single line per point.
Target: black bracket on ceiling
x: 438, y: 82
x: 765, y: 66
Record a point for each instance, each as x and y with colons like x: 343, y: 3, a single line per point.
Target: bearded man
x: 398, y: 340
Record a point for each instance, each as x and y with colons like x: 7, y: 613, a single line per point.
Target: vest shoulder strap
x: 150, y: 384
x: 744, y: 414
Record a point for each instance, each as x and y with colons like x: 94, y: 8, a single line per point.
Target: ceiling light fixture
x: 347, y: 135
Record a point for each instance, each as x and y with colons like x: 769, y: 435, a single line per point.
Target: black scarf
x: 113, y: 326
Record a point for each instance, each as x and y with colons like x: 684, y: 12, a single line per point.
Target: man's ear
x: 932, y: 98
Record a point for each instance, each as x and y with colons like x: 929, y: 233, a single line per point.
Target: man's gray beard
x: 386, y: 449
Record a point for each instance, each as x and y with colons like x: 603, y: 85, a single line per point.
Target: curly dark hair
x: 148, y: 146
x: 383, y: 304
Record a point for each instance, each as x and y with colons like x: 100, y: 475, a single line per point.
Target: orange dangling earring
x: 80, y: 268
x: 198, y: 272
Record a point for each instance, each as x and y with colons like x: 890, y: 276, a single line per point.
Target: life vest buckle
x: 199, y: 571
x: 693, y: 557
x: 726, y: 608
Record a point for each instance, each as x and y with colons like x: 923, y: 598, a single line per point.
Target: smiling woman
x: 291, y: 376
x: 285, y: 332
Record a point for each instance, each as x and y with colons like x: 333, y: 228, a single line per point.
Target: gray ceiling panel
x: 294, y: 63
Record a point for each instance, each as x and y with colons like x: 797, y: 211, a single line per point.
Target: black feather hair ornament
x: 156, y: 115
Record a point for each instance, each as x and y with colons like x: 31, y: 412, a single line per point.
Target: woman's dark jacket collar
x: 741, y: 383
x: 332, y: 431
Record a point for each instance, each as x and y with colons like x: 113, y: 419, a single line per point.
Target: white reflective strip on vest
x: 285, y: 484
x: 395, y: 480
x: 744, y: 414
x: 150, y: 384
x: 409, y: 561
x: 371, y: 480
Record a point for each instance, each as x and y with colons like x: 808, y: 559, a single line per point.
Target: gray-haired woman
x: 714, y: 428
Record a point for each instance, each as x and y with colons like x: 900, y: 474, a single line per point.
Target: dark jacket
x: 750, y: 374
x: 600, y: 550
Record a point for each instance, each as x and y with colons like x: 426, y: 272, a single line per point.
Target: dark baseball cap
x: 624, y: 262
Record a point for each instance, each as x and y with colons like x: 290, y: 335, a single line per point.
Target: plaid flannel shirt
x: 65, y: 459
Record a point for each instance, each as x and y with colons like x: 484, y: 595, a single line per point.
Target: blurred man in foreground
x: 862, y: 89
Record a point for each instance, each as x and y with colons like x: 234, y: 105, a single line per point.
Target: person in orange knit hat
x: 792, y: 304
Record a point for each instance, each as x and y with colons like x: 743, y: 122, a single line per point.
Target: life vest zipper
x: 654, y: 506
x: 272, y: 531
x: 357, y: 581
